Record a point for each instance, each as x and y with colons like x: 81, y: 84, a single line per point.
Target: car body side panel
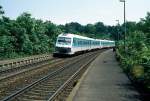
x: 80, y: 43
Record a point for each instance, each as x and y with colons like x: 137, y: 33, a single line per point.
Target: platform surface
x: 105, y: 81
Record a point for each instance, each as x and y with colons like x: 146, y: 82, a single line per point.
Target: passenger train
x: 70, y: 44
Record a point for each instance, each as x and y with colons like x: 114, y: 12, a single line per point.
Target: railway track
x: 16, y: 71
x: 20, y: 63
x: 45, y: 85
x: 23, y: 78
x: 7, y: 72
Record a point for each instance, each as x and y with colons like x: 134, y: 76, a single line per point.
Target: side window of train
x: 79, y: 43
x: 75, y: 42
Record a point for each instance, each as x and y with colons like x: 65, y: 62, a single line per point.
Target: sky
x: 81, y: 11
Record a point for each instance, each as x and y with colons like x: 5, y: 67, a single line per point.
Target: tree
x: 144, y: 24
x: 52, y: 31
x: 1, y: 10
x: 100, y: 27
x: 73, y: 27
x: 130, y: 26
x: 25, y: 21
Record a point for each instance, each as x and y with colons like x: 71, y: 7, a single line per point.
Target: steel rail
x: 36, y: 82
x: 24, y: 71
x: 9, y: 70
x: 78, y: 72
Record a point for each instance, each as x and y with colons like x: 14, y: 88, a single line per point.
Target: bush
x: 136, y: 58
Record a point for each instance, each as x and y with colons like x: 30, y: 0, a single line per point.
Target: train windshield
x: 64, y: 40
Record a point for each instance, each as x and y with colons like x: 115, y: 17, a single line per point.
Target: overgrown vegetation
x: 29, y: 36
x: 135, y: 58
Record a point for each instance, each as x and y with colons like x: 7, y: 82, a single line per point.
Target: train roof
x: 108, y: 40
x: 73, y: 35
x: 78, y: 36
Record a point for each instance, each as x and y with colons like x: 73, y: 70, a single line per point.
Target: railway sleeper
x: 45, y: 89
x: 46, y: 86
x: 39, y: 93
x: 26, y: 99
x: 38, y: 96
x: 10, y: 92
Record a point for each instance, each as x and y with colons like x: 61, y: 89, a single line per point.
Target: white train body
x: 70, y: 44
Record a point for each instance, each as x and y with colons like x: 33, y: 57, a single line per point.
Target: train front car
x: 63, y: 44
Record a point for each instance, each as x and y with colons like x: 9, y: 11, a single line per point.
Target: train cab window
x: 64, y: 40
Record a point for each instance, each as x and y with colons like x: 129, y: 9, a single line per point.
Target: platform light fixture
x: 118, y: 24
x: 124, y: 23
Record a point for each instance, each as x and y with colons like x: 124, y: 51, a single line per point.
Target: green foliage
x: 29, y: 36
x: 26, y: 36
x: 73, y: 27
x: 1, y: 11
x: 97, y: 30
x: 144, y: 24
x: 135, y: 60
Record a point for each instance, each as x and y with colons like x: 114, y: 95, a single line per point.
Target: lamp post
x: 124, y: 23
x: 118, y: 30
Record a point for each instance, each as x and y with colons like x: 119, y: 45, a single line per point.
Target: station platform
x: 104, y: 81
